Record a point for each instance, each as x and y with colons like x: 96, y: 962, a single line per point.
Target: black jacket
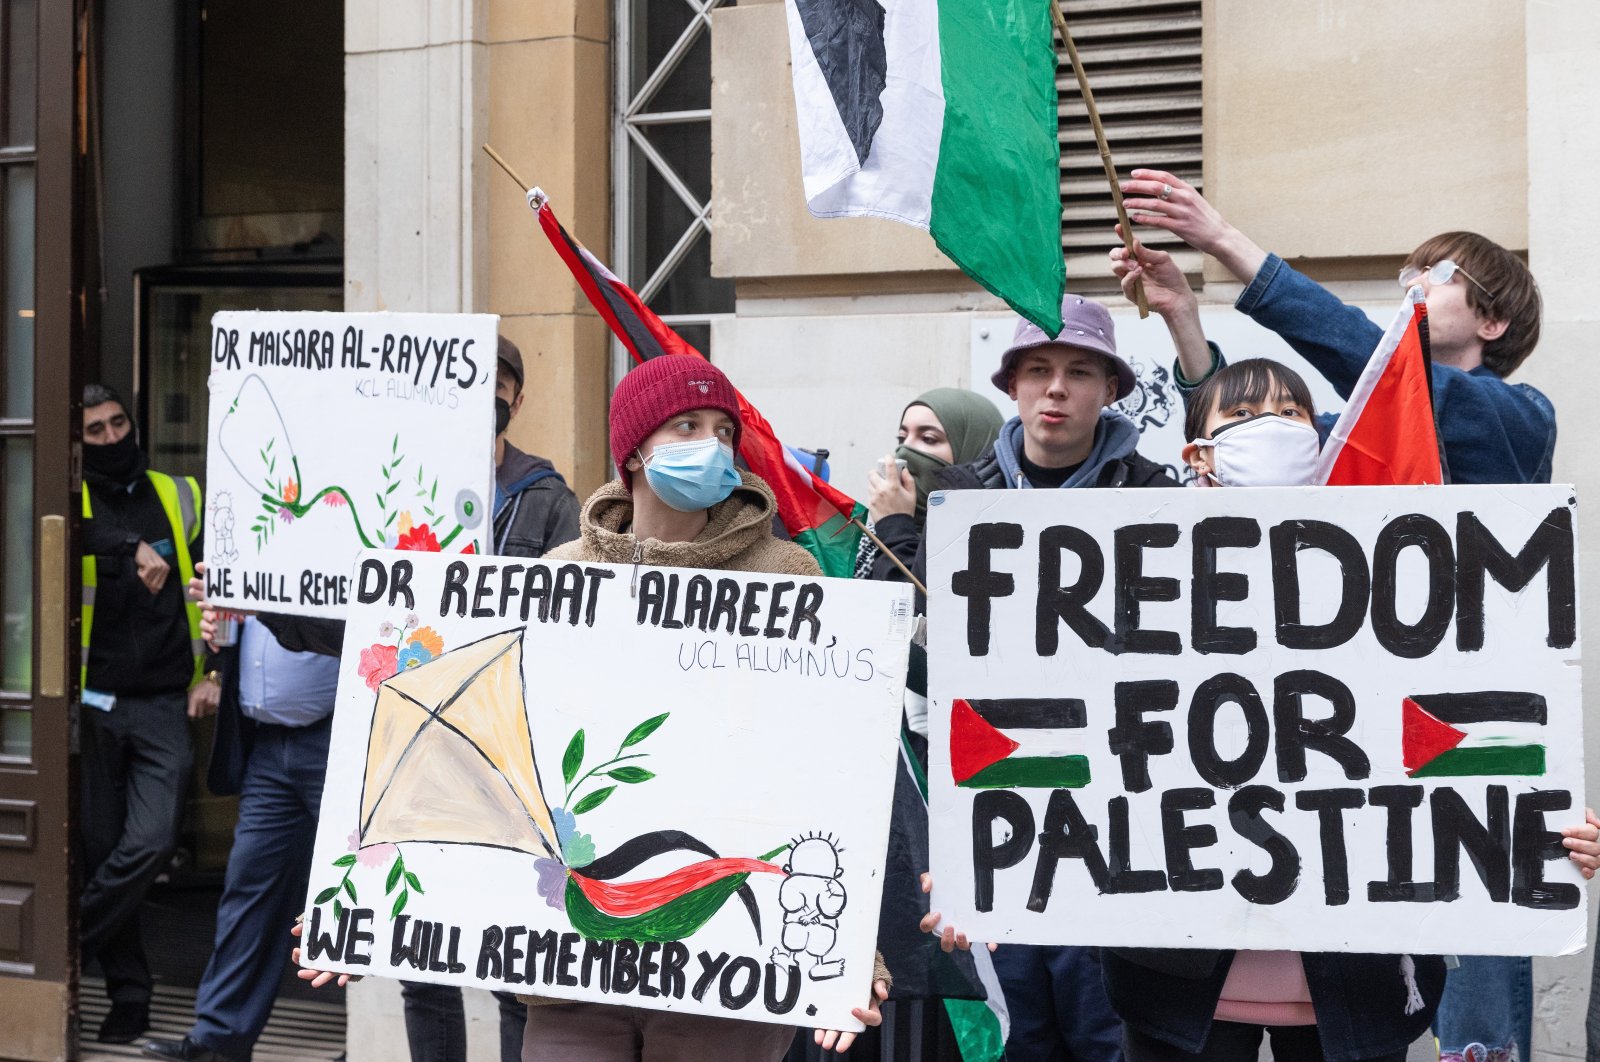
x: 901, y: 535
x: 534, y: 509
x: 1360, y: 1000
x: 985, y: 473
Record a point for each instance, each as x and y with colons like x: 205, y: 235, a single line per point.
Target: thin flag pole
x: 887, y: 552
x: 504, y: 165
x: 1100, y: 140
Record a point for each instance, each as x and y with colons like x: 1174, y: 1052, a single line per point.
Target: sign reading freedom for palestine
x: 1320, y: 719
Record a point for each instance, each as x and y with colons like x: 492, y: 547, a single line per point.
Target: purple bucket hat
x: 1085, y: 326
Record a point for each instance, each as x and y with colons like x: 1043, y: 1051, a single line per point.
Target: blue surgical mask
x: 691, y: 476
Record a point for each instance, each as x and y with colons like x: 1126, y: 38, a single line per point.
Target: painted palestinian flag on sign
x: 1021, y: 743
x: 1387, y: 435
x: 820, y: 518
x: 940, y: 114
x: 1453, y: 735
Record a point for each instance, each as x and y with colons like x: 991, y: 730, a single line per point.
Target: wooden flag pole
x: 1100, y: 140
x: 887, y: 552
x: 504, y: 165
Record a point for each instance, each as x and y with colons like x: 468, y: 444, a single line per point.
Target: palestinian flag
x: 964, y: 981
x: 1454, y: 735
x: 1022, y: 743
x: 817, y: 516
x: 1387, y: 434
x: 939, y: 114
x: 670, y: 907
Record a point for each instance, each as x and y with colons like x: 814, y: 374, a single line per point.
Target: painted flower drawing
x: 378, y: 662
x: 418, y: 538
x: 376, y: 855
x: 552, y: 881
x: 414, y: 654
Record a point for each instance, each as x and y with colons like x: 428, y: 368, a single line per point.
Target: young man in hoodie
x: 1065, y: 435
x: 534, y: 511
x: 679, y: 503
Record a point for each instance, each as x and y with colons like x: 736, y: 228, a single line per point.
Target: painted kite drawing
x: 450, y: 760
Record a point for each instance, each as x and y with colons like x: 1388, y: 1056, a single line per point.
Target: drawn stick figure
x: 812, y: 898
x: 222, y: 528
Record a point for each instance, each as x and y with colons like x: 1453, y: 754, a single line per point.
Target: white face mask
x: 1265, y: 451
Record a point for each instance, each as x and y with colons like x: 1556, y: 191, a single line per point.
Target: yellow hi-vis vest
x: 180, y: 500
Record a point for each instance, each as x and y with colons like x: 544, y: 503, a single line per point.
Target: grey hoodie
x: 1115, y: 437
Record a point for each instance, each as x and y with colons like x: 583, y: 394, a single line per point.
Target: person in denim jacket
x: 1483, y: 322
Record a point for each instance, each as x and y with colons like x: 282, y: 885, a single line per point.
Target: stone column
x: 432, y: 225
x: 1563, y: 72
x: 549, y: 113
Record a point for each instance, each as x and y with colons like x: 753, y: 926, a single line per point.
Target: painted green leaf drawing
x: 399, y: 904
x: 411, y: 880
x: 394, y: 876
x: 327, y: 894
x: 350, y: 887
x: 344, y: 861
x: 645, y: 729
x: 338, y: 910
x: 594, y: 800
x: 631, y: 775
x: 572, y: 759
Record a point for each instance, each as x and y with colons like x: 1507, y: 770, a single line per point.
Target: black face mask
x: 118, y: 463
x: 502, y: 415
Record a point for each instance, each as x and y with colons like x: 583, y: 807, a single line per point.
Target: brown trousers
x: 599, y: 1032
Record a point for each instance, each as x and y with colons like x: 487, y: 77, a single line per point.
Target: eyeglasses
x: 1439, y: 273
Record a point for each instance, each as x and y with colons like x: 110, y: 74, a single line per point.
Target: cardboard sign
x: 665, y: 788
x: 330, y: 433
x: 1319, y: 719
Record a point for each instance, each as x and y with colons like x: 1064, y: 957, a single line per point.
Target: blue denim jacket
x: 1493, y: 431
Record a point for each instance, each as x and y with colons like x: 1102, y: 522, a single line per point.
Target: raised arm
x: 1164, y: 201
x: 1169, y: 295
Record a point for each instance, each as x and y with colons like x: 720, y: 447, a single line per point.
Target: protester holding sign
x: 680, y: 502
x: 1065, y: 435
x: 1483, y: 322
x: 1250, y: 424
x: 534, y: 510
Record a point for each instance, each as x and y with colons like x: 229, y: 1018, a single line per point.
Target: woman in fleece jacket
x: 680, y: 502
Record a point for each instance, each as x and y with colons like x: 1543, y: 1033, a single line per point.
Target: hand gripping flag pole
x: 1100, y: 140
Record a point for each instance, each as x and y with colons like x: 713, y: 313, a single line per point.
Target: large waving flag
x: 1387, y: 434
x: 818, y: 517
x: 940, y: 114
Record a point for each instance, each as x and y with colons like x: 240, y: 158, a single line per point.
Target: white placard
x: 334, y: 432
x: 1319, y: 719
x: 658, y: 787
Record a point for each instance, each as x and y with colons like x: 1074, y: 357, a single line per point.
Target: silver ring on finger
x: 1166, y: 191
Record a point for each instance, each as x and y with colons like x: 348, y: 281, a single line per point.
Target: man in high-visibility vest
x: 143, y: 678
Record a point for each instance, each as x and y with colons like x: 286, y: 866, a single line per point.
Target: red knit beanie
x: 657, y: 390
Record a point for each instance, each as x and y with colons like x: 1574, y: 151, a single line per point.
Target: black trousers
x: 436, y: 1023
x: 134, y: 768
